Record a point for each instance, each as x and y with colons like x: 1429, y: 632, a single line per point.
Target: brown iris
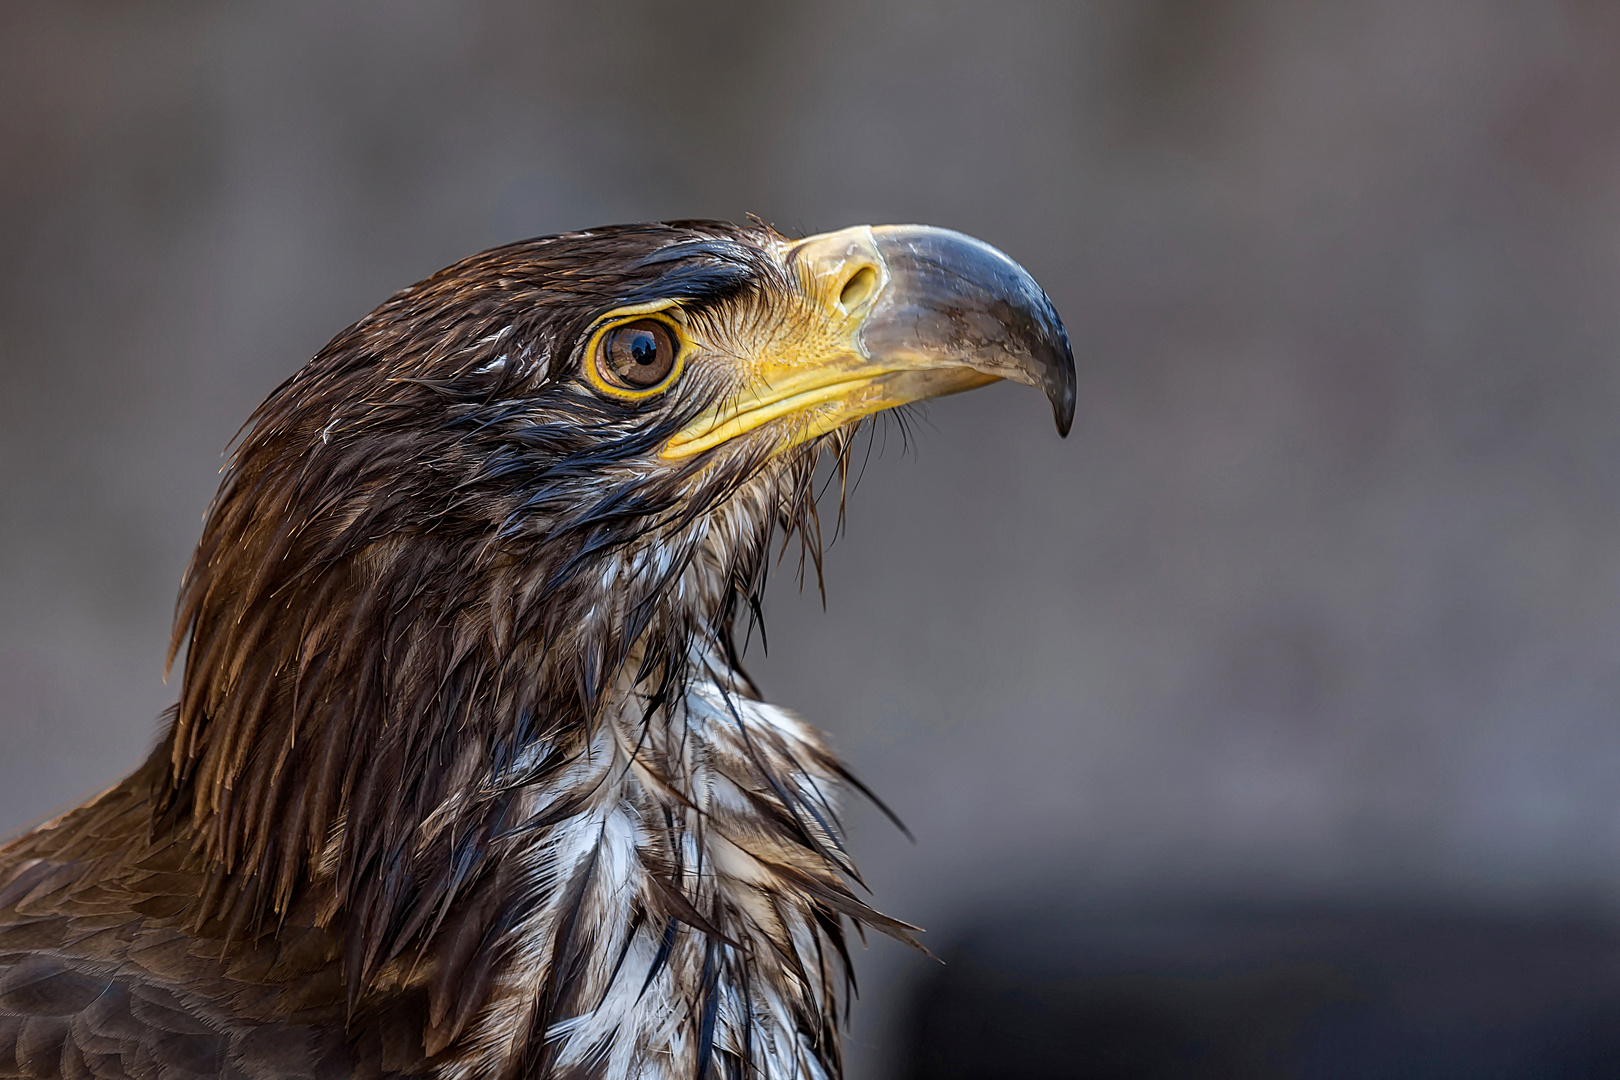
x: 636, y: 355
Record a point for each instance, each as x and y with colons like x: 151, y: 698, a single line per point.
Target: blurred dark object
x: 1317, y: 994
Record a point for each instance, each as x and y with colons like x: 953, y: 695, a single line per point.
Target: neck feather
x: 688, y: 892
x: 549, y: 801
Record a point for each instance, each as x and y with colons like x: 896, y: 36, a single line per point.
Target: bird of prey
x: 465, y: 779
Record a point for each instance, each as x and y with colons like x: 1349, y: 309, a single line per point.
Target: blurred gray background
x: 1316, y: 606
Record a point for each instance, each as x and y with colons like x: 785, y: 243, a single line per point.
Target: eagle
x: 465, y: 778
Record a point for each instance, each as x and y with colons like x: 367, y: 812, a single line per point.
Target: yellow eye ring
x: 636, y: 352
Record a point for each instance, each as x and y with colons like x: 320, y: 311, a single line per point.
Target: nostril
x: 861, y: 284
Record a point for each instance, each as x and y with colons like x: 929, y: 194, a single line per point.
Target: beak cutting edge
x: 903, y: 313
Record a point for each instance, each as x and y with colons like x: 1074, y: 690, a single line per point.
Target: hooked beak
x: 897, y: 313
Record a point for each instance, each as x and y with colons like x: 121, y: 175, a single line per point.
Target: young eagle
x: 465, y: 779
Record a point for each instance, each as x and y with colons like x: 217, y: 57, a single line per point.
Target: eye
x: 636, y: 355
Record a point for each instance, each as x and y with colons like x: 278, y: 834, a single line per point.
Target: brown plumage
x: 465, y: 777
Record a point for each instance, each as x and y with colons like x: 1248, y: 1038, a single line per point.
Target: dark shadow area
x: 1319, y: 994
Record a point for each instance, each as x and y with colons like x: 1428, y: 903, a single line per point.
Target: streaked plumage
x: 465, y: 778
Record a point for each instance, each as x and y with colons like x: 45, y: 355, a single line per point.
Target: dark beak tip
x: 1063, y: 413
x: 1061, y: 389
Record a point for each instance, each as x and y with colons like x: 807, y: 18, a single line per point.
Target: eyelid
x: 658, y: 311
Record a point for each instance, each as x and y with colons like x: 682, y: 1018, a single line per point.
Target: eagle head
x: 492, y: 540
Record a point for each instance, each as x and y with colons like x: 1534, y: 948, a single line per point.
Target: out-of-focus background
x: 1266, y: 727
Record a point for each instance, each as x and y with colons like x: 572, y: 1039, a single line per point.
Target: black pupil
x: 643, y: 347
x: 639, y: 355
